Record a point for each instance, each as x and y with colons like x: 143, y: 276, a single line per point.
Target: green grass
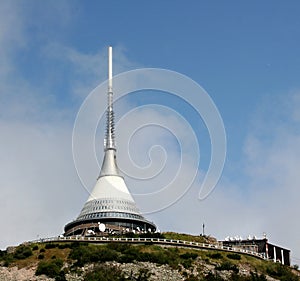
x: 188, y: 237
x: 179, y: 258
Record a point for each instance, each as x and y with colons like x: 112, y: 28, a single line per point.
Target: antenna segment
x: 109, y: 141
x: 109, y: 69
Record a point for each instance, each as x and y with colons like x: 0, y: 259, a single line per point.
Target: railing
x: 182, y: 243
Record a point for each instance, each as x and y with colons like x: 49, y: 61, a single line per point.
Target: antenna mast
x: 109, y: 141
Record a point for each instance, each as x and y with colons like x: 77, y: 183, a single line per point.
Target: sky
x: 245, y: 55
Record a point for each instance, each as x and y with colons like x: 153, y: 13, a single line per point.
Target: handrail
x: 182, y: 243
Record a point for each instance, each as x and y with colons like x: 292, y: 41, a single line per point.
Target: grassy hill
x: 116, y: 261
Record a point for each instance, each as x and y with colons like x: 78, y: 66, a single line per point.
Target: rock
x: 23, y: 274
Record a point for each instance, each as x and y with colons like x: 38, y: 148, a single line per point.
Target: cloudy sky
x: 247, y: 58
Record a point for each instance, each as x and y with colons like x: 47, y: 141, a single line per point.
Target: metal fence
x: 171, y: 242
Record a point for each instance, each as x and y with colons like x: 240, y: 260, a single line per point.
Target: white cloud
x: 40, y: 190
x: 267, y: 200
x: 274, y: 169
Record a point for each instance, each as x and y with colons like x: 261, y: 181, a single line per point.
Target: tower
x: 110, y: 207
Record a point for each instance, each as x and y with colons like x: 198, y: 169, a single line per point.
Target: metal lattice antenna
x: 109, y: 165
x: 109, y: 141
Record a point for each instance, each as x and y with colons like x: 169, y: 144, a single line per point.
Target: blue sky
x: 246, y: 55
x: 237, y: 51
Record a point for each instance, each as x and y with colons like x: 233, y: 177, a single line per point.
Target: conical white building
x: 110, y: 205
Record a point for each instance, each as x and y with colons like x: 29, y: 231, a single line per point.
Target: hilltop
x: 123, y: 261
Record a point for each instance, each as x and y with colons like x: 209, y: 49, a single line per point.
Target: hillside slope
x: 123, y: 261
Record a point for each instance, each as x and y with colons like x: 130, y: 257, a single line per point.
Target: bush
x: 192, y: 256
x: 281, y: 272
x: 22, y: 252
x: 119, y: 247
x: 144, y: 274
x: 8, y: 259
x: 35, y: 247
x: 104, y: 272
x: 86, y: 254
x: 234, y: 256
x: 50, y: 268
x: 3, y: 255
x: 64, y: 246
x: 42, y: 250
x: 213, y: 277
x: 41, y: 256
x: 228, y: 266
x: 256, y: 277
x: 50, y: 246
x: 215, y: 256
x: 187, y: 263
x: 81, y: 254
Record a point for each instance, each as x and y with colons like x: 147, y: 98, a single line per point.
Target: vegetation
x: 52, y: 269
x: 234, y: 277
x: 57, y: 259
x: 227, y: 266
x: 216, y: 255
x: 126, y: 253
x: 234, y: 256
x: 22, y: 252
x: 281, y: 272
x: 41, y: 256
x: 187, y: 237
x: 104, y: 272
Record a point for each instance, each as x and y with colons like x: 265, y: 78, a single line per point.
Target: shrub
x: 281, y: 272
x: 215, y: 256
x: 50, y: 268
x: 104, y: 272
x: 296, y: 266
x: 213, y: 277
x: 119, y: 247
x: 144, y: 274
x: 3, y: 255
x: 81, y: 254
x: 8, y: 259
x: 187, y: 263
x: 78, y: 244
x: 35, y: 247
x: 234, y: 256
x: 42, y: 250
x: 50, y: 246
x: 86, y: 254
x: 22, y: 252
x: 256, y: 277
x: 41, y: 256
x: 64, y: 246
x: 103, y: 255
x: 228, y: 266
x: 192, y: 256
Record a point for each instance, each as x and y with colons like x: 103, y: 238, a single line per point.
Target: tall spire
x: 109, y: 141
x: 110, y: 202
x: 109, y: 165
